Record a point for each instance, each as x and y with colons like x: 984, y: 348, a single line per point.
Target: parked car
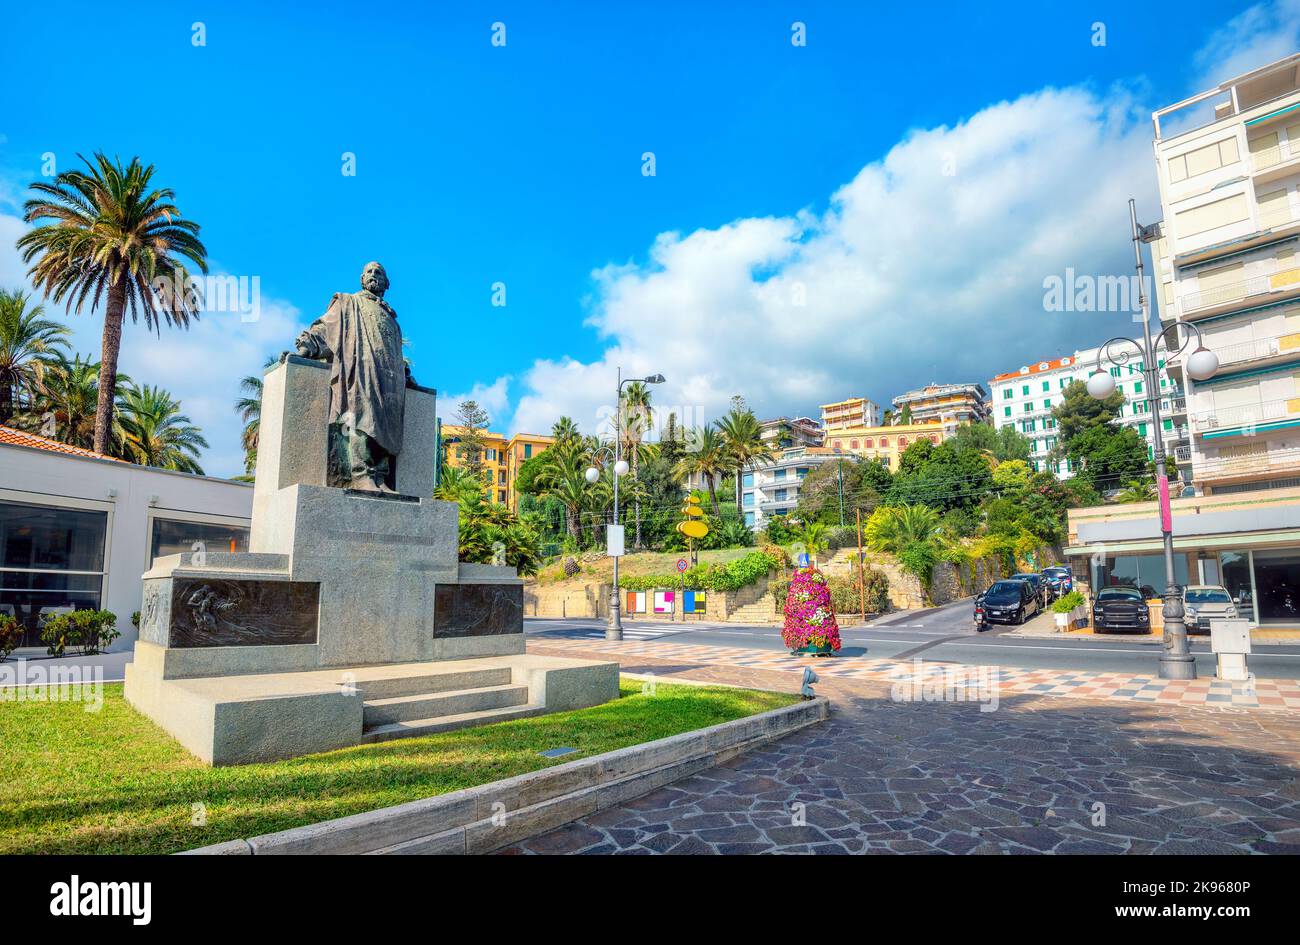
x: 1120, y: 609
x: 1060, y: 579
x: 1039, y: 585
x: 1205, y: 602
x: 1008, y: 601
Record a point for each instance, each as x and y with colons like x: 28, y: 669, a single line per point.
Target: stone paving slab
x: 1278, y: 694
x: 1058, y: 774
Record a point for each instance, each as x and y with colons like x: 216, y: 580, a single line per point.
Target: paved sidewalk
x: 1257, y: 694
x: 1060, y: 774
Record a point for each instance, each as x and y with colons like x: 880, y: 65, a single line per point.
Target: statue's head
x: 374, y: 279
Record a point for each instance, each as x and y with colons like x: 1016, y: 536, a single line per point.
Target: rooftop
x: 11, y: 437
x: 1040, y: 367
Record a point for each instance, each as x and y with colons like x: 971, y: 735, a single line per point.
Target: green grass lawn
x: 73, y: 781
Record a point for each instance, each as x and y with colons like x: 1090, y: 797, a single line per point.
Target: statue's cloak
x: 359, y: 335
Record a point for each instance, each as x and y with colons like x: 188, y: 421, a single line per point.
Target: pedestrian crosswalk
x: 564, y: 630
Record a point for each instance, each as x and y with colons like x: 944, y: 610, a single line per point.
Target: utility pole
x: 839, y: 465
x: 862, y: 572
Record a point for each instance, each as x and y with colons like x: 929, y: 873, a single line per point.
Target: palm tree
x: 636, y: 421
x: 249, y: 408
x: 815, y: 538
x: 156, y: 433
x: 565, y: 429
x: 112, y: 241
x: 1137, y: 491
x: 27, y: 344
x: 895, y: 528
x: 706, y: 455
x: 742, y: 435
x: 563, y: 478
x: 457, y: 484
x: 64, y: 406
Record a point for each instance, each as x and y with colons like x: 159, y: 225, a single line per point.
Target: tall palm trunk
x: 6, y: 402
x: 713, y: 495
x: 110, y: 346
x: 571, y: 522
x: 636, y: 468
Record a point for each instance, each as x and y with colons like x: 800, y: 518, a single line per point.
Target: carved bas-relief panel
x: 208, y: 612
x: 474, y: 610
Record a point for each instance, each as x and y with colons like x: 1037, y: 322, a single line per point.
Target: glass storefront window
x: 174, y: 537
x: 51, y: 561
x: 1144, y: 572
x: 1277, y: 586
x: 1234, y: 570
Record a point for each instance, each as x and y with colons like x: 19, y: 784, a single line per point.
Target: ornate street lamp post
x: 1176, y: 661
x: 614, y: 628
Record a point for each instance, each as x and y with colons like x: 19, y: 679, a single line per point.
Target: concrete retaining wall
x: 491, y: 816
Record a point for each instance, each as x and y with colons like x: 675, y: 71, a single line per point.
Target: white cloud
x: 494, y: 398
x: 928, y: 265
x: 1255, y: 37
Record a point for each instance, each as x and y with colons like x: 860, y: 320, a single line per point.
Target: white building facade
x: 1227, y: 263
x: 772, y: 489
x: 77, y: 530
x: 1025, y: 398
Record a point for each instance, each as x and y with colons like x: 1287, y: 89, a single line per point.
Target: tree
x: 564, y: 429
x: 1001, y: 444
x: 636, y: 423
x: 249, y: 408
x: 65, y: 405
x: 833, y: 492
x: 1108, y: 456
x: 1137, y: 491
x: 113, y: 239
x: 706, y: 456
x: 460, y: 485
x: 1079, y: 412
x: 909, y: 532
x: 562, y: 477
x: 28, y: 343
x: 742, y: 437
x: 156, y: 433
x: 943, y: 477
x: 473, y: 421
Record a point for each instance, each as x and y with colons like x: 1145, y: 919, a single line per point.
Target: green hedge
x: 709, y: 577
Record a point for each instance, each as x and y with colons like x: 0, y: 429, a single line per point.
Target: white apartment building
x: 1025, y: 398
x: 1228, y: 163
x: 772, y: 489
x: 853, y: 412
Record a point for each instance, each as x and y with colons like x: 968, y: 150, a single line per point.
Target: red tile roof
x: 11, y: 437
x: 1036, y: 368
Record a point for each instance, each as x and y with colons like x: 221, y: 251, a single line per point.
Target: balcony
x: 1182, y: 454
x: 1255, y: 289
x: 1270, y: 464
x: 1248, y: 415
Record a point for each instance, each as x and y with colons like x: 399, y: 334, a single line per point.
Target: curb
x: 485, y: 818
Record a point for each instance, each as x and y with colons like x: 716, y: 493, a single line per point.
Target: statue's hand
x: 308, y: 346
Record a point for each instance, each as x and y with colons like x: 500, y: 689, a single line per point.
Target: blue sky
x: 815, y: 166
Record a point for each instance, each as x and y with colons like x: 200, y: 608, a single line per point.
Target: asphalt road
x: 942, y: 634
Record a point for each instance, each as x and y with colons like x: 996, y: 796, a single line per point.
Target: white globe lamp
x: 1100, y: 385
x: 620, y: 468
x: 592, y: 474
x: 1202, y: 364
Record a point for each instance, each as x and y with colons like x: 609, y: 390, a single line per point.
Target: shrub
x: 1068, y: 602
x: 11, y: 634
x: 88, y: 630
x: 710, y: 577
x: 841, y: 537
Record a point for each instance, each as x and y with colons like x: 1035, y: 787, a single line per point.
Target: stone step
x: 438, y: 704
x: 448, y: 723
x: 426, y: 683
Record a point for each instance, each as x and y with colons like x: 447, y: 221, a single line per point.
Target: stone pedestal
x: 336, y: 580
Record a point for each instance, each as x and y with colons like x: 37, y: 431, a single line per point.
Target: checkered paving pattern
x: 1255, y: 694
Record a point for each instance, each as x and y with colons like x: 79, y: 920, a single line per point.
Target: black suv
x: 1008, y: 601
x: 1120, y: 608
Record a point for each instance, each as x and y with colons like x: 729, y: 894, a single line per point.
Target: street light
x: 1176, y: 661
x: 614, y: 629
